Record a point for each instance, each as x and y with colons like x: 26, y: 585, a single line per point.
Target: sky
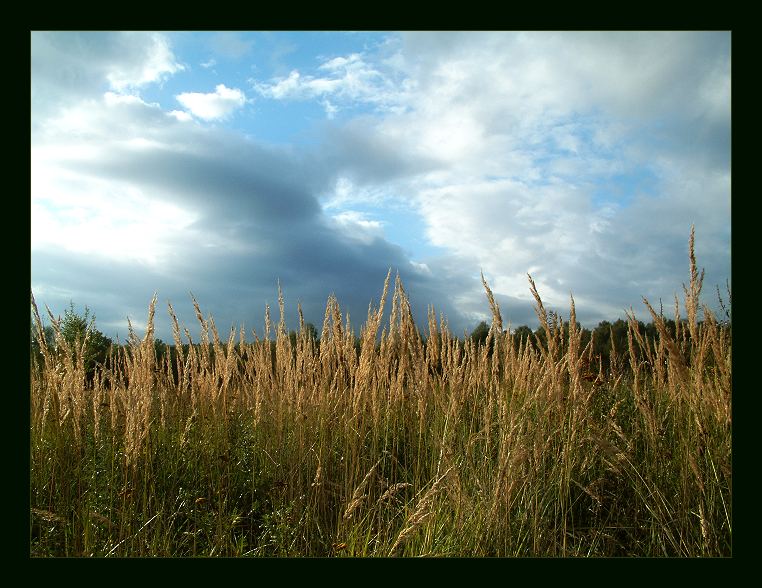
x: 227, y: 164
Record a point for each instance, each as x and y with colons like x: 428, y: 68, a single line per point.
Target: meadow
x: 407, y: 444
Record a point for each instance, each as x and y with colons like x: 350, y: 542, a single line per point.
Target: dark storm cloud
x: 250, y: 184
x: 358, y: 151
x: 258, y: 222
x: 258, y: 217
x: 112, y: 290
x: 234, y: 288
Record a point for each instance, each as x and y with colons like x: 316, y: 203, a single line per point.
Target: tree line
x: 609, y: 340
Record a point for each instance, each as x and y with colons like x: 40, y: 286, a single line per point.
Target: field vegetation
x: 387, y: 442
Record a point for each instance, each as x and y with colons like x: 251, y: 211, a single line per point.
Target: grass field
x: 419, y: 444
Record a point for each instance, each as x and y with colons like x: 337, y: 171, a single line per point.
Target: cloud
x: 215, y: 105
x: 181, y: 115
x: 346, y: 80
x: 371, y: 154
x: 137, y: 201
x: 355, y: 225
x: 579, y: 157
x: 69, y: 66
x: 158, y: 62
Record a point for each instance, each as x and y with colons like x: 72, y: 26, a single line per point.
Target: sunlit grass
x: 405, y: 445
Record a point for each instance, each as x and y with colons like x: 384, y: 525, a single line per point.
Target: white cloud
x: 282, y: 88
x: 330, y: 109
x: 112, y: 99
x: 355, y: 225
x: 69, y: 68
x: 181, y: 115
x: 83, y: 215
x: 557, y: 149
x: 215, y: 105
x: 157, y: 62
x: 341, y: 63
x: 421, y: 268
x: 349, y: 79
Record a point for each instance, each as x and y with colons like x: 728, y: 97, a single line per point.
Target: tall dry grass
x: 410, y: 444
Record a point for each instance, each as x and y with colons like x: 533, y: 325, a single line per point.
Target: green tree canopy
x: 479, y: 334
x: 74, y: 327
x: 523, y: 332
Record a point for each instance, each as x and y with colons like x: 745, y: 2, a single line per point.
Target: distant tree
x: 522, y: 333
x: 74, y: 327
x: 540, y: 338
x: 309, y: 329
x: 160, y: 349
x: 479, y: 334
